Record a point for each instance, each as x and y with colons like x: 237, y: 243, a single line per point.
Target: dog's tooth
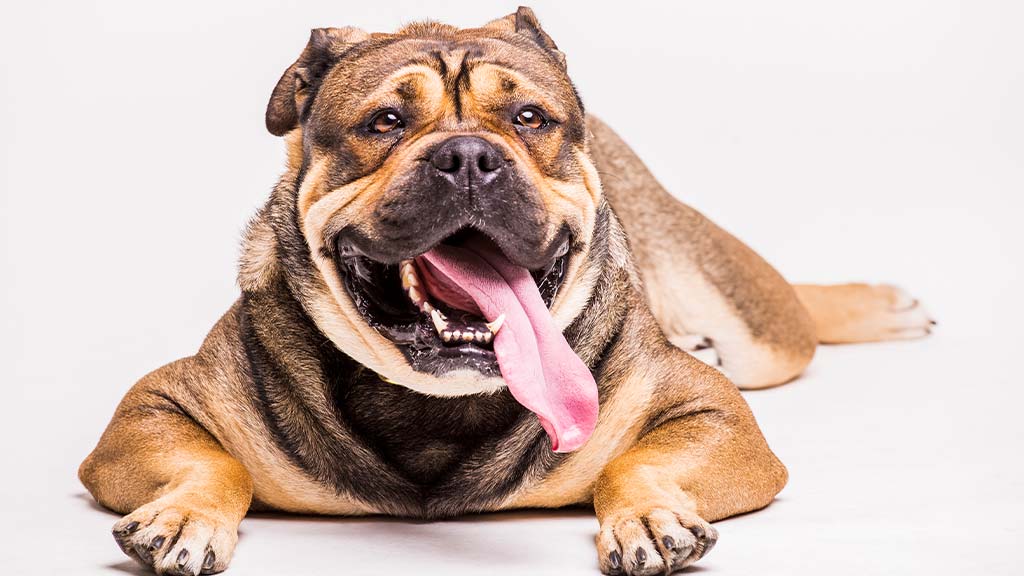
x: 457, y: 335
x: 487, y: 337
x: 439, y: 324
x: 428, y: 308
x: 447, y: 336
x: 479, y: 336
x: 467, y: 336
x: 496, y: 325
x: 414, y: 295
x: 409, y: 280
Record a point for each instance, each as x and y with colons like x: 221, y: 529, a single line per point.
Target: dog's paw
x: 172, y: 537
x: 899, y: 315
x: 658, y: 541
x: 700, y: 347
x: 889, y: 313
x: 866, y: 313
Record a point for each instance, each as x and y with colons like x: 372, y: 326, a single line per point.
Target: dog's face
x: 420, y: 157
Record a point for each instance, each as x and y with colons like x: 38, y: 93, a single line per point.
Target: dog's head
x: 442, y: 186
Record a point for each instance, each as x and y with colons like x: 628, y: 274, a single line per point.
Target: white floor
x: 905, y: 458
x: 876, y: 140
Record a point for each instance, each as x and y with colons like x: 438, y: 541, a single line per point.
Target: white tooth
x: 457, y: 335
x: 414, y: 295
x: 439, y: 324
x: 488, y: 336
x: 467, y: 336
x: 409, y: 279
x: 447, y: 336
x: 479, y: 336
x: 428, y: 307
x: 496, y: 325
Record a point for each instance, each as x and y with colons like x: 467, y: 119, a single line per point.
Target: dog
x: 467, y: 294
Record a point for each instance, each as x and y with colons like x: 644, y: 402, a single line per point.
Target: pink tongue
x: 539, y: 367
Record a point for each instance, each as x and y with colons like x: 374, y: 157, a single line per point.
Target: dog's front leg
x: 183, y: 494
x: 699, y: 462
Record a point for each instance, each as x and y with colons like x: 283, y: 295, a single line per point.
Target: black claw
x: 131, y: 527
x: 157, y: 543
x: 143, y: 552
x: 933, y: 322
x: 182, y: 558
x: 669, y: 542
x: 698, y: 532
x: 616, y: 560
x: 641, y: 556
x: 209, y: 560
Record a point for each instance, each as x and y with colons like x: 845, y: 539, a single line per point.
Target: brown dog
x: 441, y: 314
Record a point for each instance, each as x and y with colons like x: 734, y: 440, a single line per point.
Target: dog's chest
x: 424, y: 437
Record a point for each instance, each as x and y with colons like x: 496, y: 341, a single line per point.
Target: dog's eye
x: 531, y: 117
x: 386, y: 121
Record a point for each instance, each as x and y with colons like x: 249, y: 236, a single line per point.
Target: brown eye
x: 531, y: 117
x: 386, y: 121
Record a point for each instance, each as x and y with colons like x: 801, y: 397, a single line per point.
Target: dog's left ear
x: 301, y: 79
x: 525, y: 22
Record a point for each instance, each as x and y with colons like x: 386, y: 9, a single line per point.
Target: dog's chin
x: 461, y: 382
x: 441, y: 337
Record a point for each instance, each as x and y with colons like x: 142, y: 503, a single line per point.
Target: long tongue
x: 541, y: 370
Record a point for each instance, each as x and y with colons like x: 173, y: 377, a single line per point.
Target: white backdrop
x: 873, y: 140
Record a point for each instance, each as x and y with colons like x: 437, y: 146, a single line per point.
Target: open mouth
x: 463, y: 304
x: 433, y: 320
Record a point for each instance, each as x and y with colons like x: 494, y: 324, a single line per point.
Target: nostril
x: 447, y: 162
x: 454, y: 164
x: 488, y: 162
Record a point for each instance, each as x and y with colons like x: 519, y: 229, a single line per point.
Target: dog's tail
x: 847, y: 313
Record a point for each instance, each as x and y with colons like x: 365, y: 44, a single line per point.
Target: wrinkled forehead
x: 404, y: 69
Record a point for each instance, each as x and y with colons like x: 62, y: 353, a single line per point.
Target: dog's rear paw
x: 866, y: 313
x: 658, y: 541
x: 700, y: 347
x: 172, y: 537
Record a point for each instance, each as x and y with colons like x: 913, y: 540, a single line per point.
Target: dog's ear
x: 301, y: 79
x: 525, y: 22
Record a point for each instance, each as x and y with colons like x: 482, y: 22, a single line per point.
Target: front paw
x: 177, y: 535
x: 654, y: 541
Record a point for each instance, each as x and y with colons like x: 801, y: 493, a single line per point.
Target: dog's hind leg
x: 711, y: 294
x: 717, y: 299
x: 184, y: 496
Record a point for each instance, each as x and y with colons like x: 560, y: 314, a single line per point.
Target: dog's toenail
x: 182, y: 558
x: 698, y: 532
x: 157, y: 543
x: 641, y: 556
x: 615, y: 559
x: 209, y: 560
x: 669, y: 542
x: 131, y: 527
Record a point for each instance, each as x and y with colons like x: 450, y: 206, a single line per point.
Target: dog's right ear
x: 301, y: 79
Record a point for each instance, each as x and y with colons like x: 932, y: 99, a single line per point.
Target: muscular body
x: 271, y: 415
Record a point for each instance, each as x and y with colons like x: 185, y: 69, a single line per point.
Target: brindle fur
x: 285, y: 406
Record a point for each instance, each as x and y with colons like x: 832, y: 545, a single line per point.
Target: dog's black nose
x: 467, y: 161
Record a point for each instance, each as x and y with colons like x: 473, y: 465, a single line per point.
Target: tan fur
x: 616, y: 431
x: 189, y: 451
x: 849, y: 313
